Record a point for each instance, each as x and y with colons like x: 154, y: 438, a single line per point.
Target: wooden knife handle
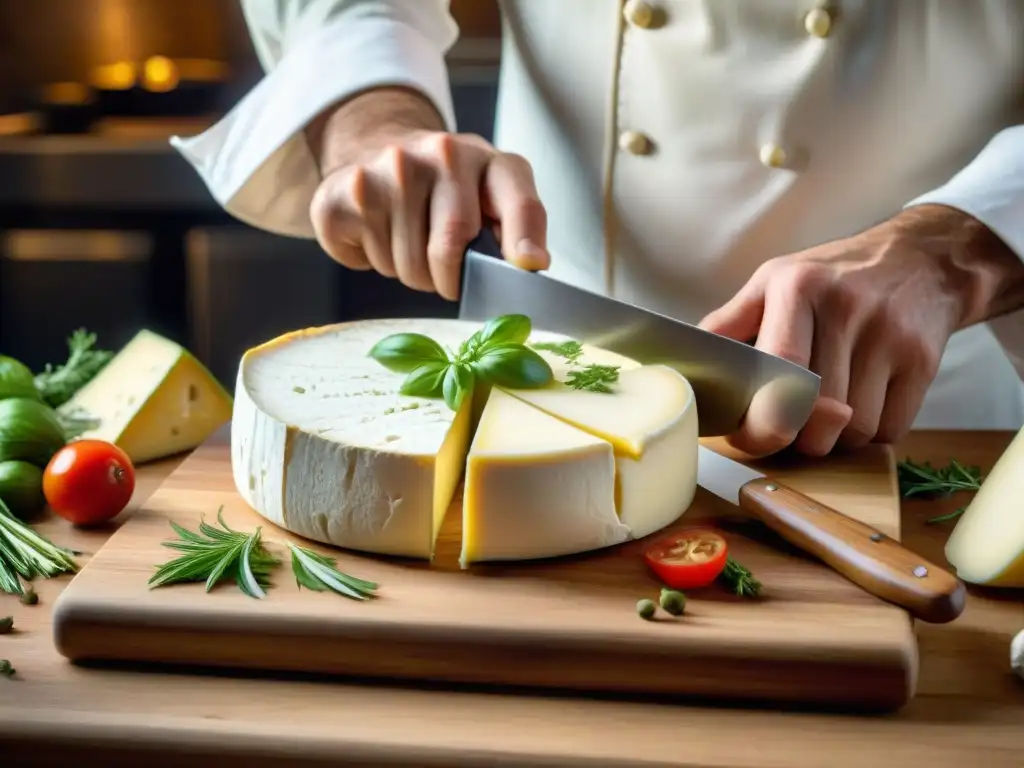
x: 868, y: 558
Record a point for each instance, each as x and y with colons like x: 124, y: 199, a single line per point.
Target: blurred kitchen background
x: 103, y: 225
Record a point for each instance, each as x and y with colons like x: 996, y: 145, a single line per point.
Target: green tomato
x: 29, y: 431
x: 16, y: 380
x: 21, y: 488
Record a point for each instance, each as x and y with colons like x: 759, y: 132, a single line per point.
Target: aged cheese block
x: 153, y: 399
x: 987, y: 545
x: 324, y: 445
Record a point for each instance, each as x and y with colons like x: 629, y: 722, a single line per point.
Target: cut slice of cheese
x: 987, y: 545
x: 324, y: 445
x: 153, y: 399
x: 650, y: 419
x: 536, y: 487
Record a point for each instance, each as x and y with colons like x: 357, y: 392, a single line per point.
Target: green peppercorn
x: 646, y: 608
x: 29, y: 597
x: 673, y: 602
x: 6, y: 624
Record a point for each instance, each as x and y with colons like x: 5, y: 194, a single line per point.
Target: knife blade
x: 725, y: 374
x: 867, y: 557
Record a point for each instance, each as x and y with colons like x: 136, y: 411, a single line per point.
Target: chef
x: 843, y: 182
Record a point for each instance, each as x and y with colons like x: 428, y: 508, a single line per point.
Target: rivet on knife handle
x: 866, y: 557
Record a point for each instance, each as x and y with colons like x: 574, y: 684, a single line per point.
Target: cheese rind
x: 153, y: 399
x: 651, y: 419
x: 324, y: 445
x: 987, y: 544
x: 536, y: 487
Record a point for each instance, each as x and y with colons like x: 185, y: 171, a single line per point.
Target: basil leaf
x: 513, y: 366
x: 404, y: 352
x: 425, y: 381
x: 469, y: 347
x: 507, y: 329
x: 458, y: 382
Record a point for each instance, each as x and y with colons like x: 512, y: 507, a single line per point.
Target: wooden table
x: 969, y: 709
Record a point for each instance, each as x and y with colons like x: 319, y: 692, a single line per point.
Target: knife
x: 725, y: 374
x: 875, y: 562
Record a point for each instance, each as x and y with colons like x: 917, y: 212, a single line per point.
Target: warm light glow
x: 159, y: 74
x: 201, y: 70
x: 65, y: 93
x: 114, y: 77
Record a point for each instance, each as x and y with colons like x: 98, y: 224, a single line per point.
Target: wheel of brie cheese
x: 325, y: 446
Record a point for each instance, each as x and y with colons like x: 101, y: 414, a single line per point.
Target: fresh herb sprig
x: 569, y: 350
x: 497, y: 354
x: 58, y: 384
x: 7, y: 669
x: 320, y: 573
x: 922, y: 480
x: 24, y: 555
x: 739, y: 579
x: 215, y: 554
x: 594, y: 378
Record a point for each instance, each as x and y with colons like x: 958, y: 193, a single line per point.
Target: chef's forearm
x: 980, y: 268
x: 369, y: 120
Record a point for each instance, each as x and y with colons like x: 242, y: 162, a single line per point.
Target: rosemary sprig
x: 319, y: 573
x: 739, y: 579
x: 927, y: 482
x: 594, y: 378
x: 58, y: 384
x: 570, y: 350
x: 216, y: 554
x: 24, y: 555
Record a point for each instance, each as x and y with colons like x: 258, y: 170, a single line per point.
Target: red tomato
x: 689, y: 559
x: 89, y: 481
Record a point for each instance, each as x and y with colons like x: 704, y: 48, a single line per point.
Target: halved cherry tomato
x: 89, y: 481
x: 688, y: 559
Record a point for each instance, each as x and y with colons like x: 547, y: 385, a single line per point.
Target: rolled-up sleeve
x: 991, y: 189
x: 255, y: 161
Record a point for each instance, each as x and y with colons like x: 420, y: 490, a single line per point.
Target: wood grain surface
x: 968, y: 710
x: 569, y: 623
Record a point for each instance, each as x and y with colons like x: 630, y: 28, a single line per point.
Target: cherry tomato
x: 89, y: 481
x: 688, y: 559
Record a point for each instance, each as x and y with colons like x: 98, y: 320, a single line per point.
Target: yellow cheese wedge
x: 153, y: 399
x: 536, y: 487
x: 650, y: 418
x: 987, y: 545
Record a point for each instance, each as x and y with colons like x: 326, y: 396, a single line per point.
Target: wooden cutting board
x: 813, y: 638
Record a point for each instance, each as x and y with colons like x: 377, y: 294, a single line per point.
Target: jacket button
x: 773, y: 156
x: 640, y: 14
x: 634, y: 143
x: 818, y: 22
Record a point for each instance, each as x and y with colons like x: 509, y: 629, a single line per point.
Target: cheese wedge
x: 536, y: 487
x: 987, y: 545
x: 324, y: 445
x: 650, y: 419
x: 153, y: 399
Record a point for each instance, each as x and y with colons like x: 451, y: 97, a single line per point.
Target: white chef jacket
x: 679, y: 144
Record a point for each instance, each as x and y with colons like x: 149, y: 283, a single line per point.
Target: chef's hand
x: 403, y: 197
x: 871, y: 315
